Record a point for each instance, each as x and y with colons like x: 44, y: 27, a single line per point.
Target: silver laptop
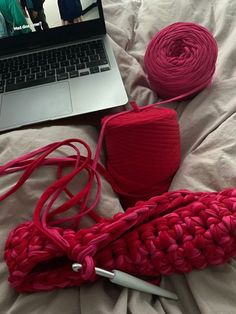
x: 55, y: 62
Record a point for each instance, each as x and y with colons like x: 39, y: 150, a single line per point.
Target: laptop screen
x: 25, y: 16
x: 28, y: 22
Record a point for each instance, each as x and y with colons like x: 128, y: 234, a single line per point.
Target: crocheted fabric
x: 172, y: 233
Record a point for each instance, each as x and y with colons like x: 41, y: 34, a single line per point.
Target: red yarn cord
x: 44, y: 214
x: 74, y: 199
x: 54, y: 190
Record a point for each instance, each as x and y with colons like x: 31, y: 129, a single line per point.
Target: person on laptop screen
x: 3, y: 27
x: 70, y: 11
x: 14, y: 17
x: 36, y: 12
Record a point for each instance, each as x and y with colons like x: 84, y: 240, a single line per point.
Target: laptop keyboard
x: 53, y: 65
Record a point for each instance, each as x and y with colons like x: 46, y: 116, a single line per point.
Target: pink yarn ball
x: 180, y: 60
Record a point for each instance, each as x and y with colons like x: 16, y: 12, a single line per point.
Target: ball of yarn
x: 143, y: 153
x: 180, y: 60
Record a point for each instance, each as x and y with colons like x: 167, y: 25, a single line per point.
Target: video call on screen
x: 25, y: 16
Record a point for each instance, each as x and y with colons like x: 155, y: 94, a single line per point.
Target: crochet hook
x: 123, y: 279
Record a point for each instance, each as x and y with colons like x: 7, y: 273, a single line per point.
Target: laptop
x: 55, y: 63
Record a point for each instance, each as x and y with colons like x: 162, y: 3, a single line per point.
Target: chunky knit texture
x: 172, y: 233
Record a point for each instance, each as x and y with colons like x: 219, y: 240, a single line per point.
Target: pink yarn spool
x: 143, y: 153
x: 180, y: 60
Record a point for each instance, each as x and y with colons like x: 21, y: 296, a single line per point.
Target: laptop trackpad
x: 35, y: 104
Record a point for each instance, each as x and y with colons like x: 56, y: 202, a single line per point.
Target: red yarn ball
x: 180, y: 60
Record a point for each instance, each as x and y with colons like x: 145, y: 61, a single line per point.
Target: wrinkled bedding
x: 208, y: 128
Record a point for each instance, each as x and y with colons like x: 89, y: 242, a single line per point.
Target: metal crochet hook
x: 120, y: 278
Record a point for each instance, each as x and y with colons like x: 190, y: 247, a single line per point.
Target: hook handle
x: 126, y: 280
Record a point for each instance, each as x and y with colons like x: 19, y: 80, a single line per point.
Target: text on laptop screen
x: 26, y: 16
